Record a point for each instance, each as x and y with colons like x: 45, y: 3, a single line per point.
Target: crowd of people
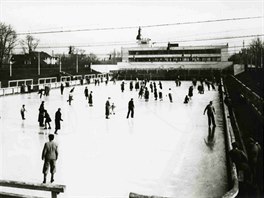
x: 145, y: 89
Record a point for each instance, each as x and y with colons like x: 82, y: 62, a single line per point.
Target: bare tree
x: 29, y: 44
x: 7, y: 42
x: 256, y: 50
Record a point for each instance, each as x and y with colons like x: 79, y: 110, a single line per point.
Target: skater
x: 22, y: 111
x: 107, y: 109
x: 137, y: 85
x: 155, y: 93
x: 140, y: 93
x: 40, y: 92
x: 151, y: 87
x: 130, y: 108
x: 61, y: 88
x: 146, y: 95
x: 50, y: 156
x: 90, y: 99
x: 41, y: 114
x: 160, y: 85
x: 160, y: 95
x: 190, y: 94
x: 57, y: 120
x: 170, y: 95
x: 113, y: 109
x: 210, y: 113
x: 186, y: 99
x: 131, y: 85
x: 86, y: 93
x: 70, y: 98
x: 47, y: 119
x: 122, y: 86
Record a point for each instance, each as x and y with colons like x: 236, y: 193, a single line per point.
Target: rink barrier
x: 47, y: 80
x: 20, y: 82
x: 230, y: 137
x: 42, y: 82
x: 53, y: 188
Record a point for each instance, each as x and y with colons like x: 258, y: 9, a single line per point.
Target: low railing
x: 53, y: 188
x: 49, y: 81
x: 253, y: 99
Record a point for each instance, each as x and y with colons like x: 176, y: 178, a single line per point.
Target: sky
x: 50, y: 15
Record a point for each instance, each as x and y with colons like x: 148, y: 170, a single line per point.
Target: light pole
x: 76, y: 62
x: 38, y: 63
x: 10, y: 69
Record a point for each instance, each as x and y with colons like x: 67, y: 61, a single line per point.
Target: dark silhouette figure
x: 131, y: 108
x: 47, y: 119
x: 41, y: 114
x: 57, y: 120
x: 210, y: 113
x: 61, y: 88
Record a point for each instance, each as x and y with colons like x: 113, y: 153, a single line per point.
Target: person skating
x: 131, y: 85
x: 90, y: 99
x: 107, y: 109
x: 130, y: 108
x: 22, y: 112
x: 160, y: 95
x: 41, y: 114
x: 86, y: 93
x: 61, y: 88
x: 122, y: 86
x: 170, y: 95
x: 57, y: 120
x: 140, y: 93
x: 160, y: 85
x: 49, y: 155
x: 70, y: 98
x: 155, y: 93
x: 112, y: 109
x: 146, y: 94
x: 151, y: 87
x: 186, y: 99
x: 210, y: 113
x: 47, y: 119
x: 190, y: 93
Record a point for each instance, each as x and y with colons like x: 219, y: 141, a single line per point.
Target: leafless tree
x: 8, y: 38
x: 29, y: 44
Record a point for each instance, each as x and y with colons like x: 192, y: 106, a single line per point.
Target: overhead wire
x: 143, y: 26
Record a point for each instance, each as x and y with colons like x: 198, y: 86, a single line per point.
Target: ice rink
x: 164, y: 150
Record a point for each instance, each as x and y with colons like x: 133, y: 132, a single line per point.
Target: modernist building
x: 173, y: 56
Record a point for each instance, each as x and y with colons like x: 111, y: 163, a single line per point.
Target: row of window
x: 159, y: 52
x: 186, y: 59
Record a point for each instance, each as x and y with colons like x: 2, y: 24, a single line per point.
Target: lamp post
x: 10, y: 68
x: 38, y: 63
x: 76, y: 62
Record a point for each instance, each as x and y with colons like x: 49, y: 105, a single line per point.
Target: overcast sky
x: 50, y: 15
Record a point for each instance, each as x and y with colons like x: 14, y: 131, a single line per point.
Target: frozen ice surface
x: 162, y: 151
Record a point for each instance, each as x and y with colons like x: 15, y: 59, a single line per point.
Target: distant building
x: 173, y: 56
x: 32, y: 59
